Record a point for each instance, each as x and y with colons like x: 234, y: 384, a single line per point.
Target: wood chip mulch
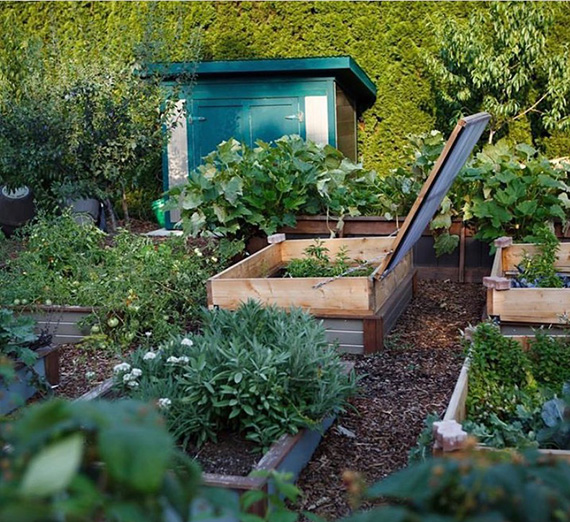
x: 82, y: 369
x: 399, y: 387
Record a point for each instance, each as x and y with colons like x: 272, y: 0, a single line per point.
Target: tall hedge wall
x: 386, y: 38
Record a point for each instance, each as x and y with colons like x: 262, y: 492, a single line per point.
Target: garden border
x: 456, y: 410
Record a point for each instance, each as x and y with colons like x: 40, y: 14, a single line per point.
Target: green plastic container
x: 159, y: 212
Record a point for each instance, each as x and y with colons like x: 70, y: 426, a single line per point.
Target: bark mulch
x: 399, y: 387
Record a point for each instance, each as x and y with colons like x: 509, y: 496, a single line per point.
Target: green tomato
x: 24, y: 301
x: 17, y: 302
x: 113, y: 322
x: 95, y: 329
x: 48, y: 302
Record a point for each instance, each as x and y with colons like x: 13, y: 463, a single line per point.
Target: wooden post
x: 462, y: 254
x: 373, y: 334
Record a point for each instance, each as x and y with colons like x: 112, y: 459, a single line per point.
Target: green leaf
x: 136, y: 457
x: 238, y: 377
x: 53, y: 468
x: 440, y: 221
x: 233, y: 189
x: 527, y: 208
x: 192, y: 200
x: 445, y: 243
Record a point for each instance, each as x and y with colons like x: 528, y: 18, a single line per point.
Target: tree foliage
x: 500, y: 62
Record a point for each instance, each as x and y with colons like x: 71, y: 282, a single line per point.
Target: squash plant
x: 239, y: 190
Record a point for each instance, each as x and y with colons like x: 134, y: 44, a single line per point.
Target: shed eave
x: 343, y: 68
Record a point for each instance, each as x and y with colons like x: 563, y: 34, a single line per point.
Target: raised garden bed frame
x: 19, y: 391
x: 61, y: 322
x: 289, y: 454
x: 357, y: 311
x: 456, y: 409
x: 525, y: 306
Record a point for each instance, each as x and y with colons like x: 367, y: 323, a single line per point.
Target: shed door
x: 248, y: 120
x: 210, y: 123
x: 271, y: 118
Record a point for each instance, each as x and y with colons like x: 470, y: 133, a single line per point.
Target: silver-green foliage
x: 261, y: 371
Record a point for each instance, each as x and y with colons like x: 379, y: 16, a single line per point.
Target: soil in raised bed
x: 231, y: 454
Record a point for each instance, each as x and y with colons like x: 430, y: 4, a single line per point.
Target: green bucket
x: 159, y: 212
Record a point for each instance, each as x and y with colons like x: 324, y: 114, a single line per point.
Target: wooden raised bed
x: 22, y: 388
x: 456, y: 409
x: 468, y: 264
x: 525, y: 305
x: 61, y: 322
x: 289, y: 454
x: 357, y: 311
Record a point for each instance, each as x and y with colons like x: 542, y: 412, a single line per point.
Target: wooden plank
x: 346, y: 337
x: 397, y: 303
x: 351, y: 294
x: 462, y: 255
x: 531, y: 305
x: 364, y: 248
x: 346, y: 325
x: 456, y: 408
x: 386, y: 287
x: 351, y: 349
x: 513, y: 255
x: 260, y: 264
x: 61, y: 329
x: 373, y: 334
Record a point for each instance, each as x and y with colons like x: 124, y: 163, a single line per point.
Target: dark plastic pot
x: 16, y: 208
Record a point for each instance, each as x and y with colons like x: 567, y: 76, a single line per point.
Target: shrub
x: 240, y: 190
x: 261, y: 371
x: 491, y: 486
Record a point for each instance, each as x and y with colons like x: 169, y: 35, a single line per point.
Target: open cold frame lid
x: 452, y: 158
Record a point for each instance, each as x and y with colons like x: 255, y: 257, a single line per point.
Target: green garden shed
x: 318, y: 98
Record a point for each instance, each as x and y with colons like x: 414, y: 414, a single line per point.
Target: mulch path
x: 401, y: 385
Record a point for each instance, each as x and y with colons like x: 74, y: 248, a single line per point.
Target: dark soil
x: 413, y: 377
x: 82, y: 369
x: 230, y: 455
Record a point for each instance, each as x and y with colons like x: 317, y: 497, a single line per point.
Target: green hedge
x: 386, y: 38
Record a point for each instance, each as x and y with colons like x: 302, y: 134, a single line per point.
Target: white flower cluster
x: 187, y: 342
x: 178, y: 360
x: 129, y: 377
x: 164, y: 403
x: 149, y: 356
x: 123, y: 367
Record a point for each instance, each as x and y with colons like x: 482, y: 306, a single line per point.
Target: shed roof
x: 349, y: 74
